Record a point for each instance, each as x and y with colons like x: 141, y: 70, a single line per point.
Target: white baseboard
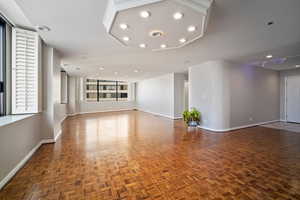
x: 177, y: 118
x: 12, y: 173
x: 101, y: 111
x: 48, y: 141
x: 58, y: 135
x: 155, y: 113
x: 237, y: 127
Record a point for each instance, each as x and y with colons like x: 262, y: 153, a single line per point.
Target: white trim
x: 155, y: 113
x: 101, y: 111
x: 10, y: 119
x: 65, y: 117
x: 12, y: 173
x: 48, y: 141
x: 58, y: 135
x: 177, y: 118
x: 237, y: 127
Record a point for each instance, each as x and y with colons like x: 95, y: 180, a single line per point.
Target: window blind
x: 25, y: 71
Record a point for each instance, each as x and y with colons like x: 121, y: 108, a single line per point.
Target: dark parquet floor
x: 137, y: 156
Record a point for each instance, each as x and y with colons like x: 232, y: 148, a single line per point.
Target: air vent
x: 156, y: 33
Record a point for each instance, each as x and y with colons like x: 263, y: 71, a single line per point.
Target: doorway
x: 186, y: 95
x: 293, y: 99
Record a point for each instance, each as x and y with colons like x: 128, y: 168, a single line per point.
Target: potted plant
x: 192, y: 117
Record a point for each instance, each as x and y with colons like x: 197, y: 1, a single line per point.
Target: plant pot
x: 193, y: 123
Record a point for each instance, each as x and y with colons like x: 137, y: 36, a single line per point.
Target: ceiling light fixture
x: 43, y: 28
x: 126, y: 39
x: 143, y: 46
x: 182, y: 40
x: 101, y: 68
x: 123, y: 26
x: 145, y: 14
x: 136, y: 71
x: 177, y: 15
x: 297, y: 66
x: 163, y: 46
x: 269, y: 56
x: 116, y: 73
x: 191, y: 28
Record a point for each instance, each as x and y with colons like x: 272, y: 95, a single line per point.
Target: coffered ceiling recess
x: 156, y: 24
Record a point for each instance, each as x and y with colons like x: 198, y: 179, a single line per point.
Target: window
x: 64, y: 87
x: 25, y: 72
x: 103, y: 90
x: 2, y: 67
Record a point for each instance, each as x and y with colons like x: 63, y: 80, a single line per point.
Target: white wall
x: 163, y: 95
x: 16, y: 141
x: 231, y: 96
x: 54, y: 111
x: 48, y: 111
x: 255, y: 95
x: 283, y: 76
x: 60, y: 110
x: 207, y: 93
x: 156, y: 95
x: 78, y: 105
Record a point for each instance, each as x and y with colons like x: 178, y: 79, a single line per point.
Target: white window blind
x: 25, y: 71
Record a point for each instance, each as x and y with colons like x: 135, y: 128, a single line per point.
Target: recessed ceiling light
x: 182, y: 40
x: 101, y: 68
x: 297, y: 66
x: 191, y: 28
x: 124, y: 26
x: 145, y: 14
x: 269, y: 56
x: 177, y: 15
x: 43, y: 28
x: 126, y: 39
x: 143, y: 46
x: 163, y: 46
x: 136, y: 71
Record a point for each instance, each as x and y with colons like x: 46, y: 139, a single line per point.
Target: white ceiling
x: 139, y: 29
x: 237, y: 31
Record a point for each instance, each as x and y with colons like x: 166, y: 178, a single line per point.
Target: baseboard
x: 154, y: 113
x: 237, y: 127
x: 48, y: 141
x: 66, y: 116
x: 12, y: 173
x: 58, y: 135
x: 102, y: 111
x: 175, y: 118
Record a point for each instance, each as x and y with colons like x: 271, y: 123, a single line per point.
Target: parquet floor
x: 138, y: 156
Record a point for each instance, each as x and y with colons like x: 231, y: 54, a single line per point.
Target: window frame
x: 98, y: 92
x: 3, y: 68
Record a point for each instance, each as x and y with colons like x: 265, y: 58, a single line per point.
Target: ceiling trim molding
x: 116, y: 6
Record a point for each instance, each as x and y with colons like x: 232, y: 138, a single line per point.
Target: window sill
x: 10, y: 119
